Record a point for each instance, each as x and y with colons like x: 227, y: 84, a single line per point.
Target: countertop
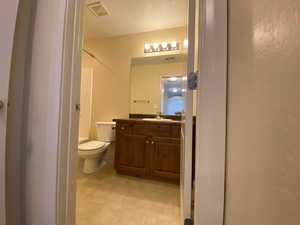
x: 149, y: 121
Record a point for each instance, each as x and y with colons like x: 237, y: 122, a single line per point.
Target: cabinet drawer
x: 124, y: 128
x: 152, y: 130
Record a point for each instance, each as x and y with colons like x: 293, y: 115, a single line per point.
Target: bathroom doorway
x: 132, y: 106
x: 144, y: 164
x: 54, y: 170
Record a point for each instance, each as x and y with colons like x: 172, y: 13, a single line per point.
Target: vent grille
x: 98, y: 9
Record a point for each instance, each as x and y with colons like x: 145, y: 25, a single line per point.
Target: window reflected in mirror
x: 172, y: 95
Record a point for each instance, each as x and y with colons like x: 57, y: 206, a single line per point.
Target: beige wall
x: 146, y: 85
x: 263, y: 185
x: 111, y: 95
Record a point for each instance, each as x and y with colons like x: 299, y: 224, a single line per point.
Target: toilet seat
x: 91, y: 145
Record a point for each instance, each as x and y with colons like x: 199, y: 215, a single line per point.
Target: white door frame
x: 8, y: 17
x: 69, y: 115
x: 211, y: 114
x: 187, y: 134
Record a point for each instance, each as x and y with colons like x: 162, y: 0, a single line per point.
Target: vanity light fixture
x: 161, y: 47
x: 147, y: 48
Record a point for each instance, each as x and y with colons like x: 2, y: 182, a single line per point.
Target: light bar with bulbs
x: 164, y: 46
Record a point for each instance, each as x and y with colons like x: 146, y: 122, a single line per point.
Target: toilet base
x: 92, y: 165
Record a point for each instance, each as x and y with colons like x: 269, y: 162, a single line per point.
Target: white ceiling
x: 135, y: 16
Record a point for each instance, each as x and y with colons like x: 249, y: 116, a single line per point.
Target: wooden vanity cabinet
x: 148, y: 149
x: 165, y: 159
x: 131, y: 154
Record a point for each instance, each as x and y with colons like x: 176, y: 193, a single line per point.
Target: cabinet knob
x: 153, y: 142
x: 147, y: 142
x: 122, y: 128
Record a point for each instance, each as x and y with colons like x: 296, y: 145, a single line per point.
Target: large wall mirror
x: 157, y: 84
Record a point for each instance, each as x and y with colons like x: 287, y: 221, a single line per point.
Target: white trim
x: 187, y: 147
x: 211, y: 114
x: 69, y: 117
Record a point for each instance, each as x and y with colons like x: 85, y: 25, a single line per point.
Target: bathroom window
x: 172, y: 94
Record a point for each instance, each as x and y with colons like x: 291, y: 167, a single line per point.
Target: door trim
x: 187, y: 134
x: 69, y: 116
x: 8, y: 16
x: 211, y: 114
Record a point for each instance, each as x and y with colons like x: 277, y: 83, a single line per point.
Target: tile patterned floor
x: 106, y: 198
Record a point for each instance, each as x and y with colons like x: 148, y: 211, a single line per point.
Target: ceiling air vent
x: 98, y: 9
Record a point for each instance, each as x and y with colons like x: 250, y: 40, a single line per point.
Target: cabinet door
x: 165, y: 161
x: 131, y: 154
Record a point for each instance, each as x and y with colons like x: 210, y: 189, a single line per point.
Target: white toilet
x: 93, y: 151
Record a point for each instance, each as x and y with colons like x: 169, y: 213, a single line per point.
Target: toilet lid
x: 91, y: 145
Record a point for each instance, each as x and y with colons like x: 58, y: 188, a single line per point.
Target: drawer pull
x: 122, y: 128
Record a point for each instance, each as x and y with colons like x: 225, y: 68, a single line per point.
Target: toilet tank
x: 106, y: 131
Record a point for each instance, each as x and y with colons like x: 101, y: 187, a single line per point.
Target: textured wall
x: 263, y: 185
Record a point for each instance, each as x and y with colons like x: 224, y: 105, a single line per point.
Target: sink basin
x: 156, y: 119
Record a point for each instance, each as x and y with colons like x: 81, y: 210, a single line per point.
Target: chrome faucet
x: 158, y: 115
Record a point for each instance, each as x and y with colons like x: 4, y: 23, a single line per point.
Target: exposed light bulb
x: 184, y: 78
x: 183, y: 90
x: 175, y: 90
x: 174, y: 44
x: 147, y: 47
x: 156, y: 47
x: 164, y: 45
x: 185, y: 43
